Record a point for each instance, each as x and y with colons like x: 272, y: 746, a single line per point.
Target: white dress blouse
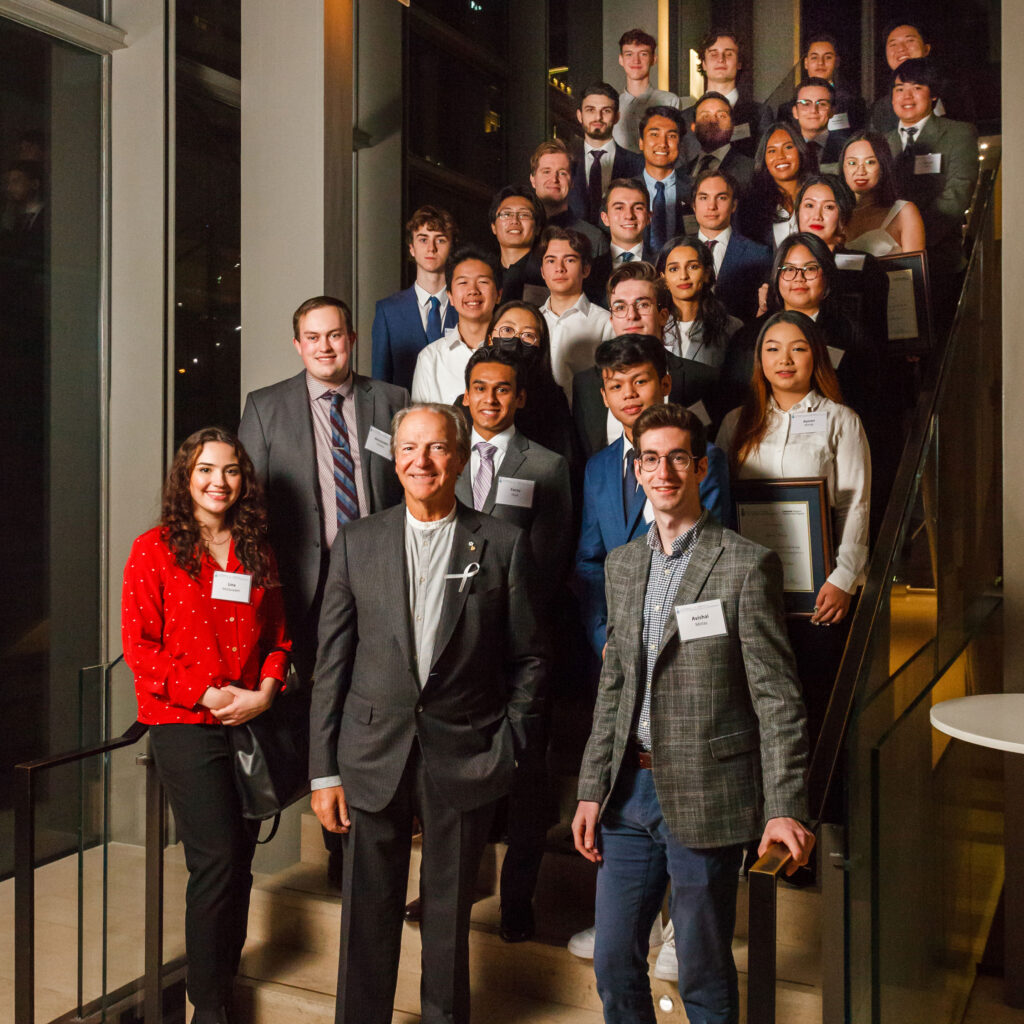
x: 839, y: 452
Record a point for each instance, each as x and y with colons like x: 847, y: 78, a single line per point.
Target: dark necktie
x: 905, y: 162
x: 627, y: 257
x: 628, y: 483
x: 344, y: 467
x: 910, y: 134
x: 704, y: 164
x: 659, y: 217
x: 594, y: 185
x: 434, y: 319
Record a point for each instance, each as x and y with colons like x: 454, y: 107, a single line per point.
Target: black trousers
x: 373, y: 897
x: 194, y: 765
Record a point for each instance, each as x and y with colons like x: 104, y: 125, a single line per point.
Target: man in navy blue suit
x: 602, y: 160
x: 661, y: 133
x: 409, y: 320
x: 741, y: 266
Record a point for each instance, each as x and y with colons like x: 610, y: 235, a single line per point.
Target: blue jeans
x: 640, y: 858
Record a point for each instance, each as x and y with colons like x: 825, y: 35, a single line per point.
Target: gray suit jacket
x: 548, y: 520
x: 729, y: 741
x: 277, y: 432
x: 480, y: 709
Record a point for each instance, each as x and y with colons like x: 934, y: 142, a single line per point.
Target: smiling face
x: 781, y: 157
x: 671, y: 490
x: 514, y: 223
x: 473, y: 292
x: 713, y: 124
x: 627, y: 216
x: 598, y: 115
x: 552, y: 178
x: 562, y: 268
x: 902, y: 43
x: 819, y: 213
x: 821, y: 61
x: 325, y: 345
x: 787, y: 361
x: 812, y: 109
x: 911, y: 102
x: 660, y: 143
x: 427, y: 461
x: 628, y: 392
x: 714, y: 205
x: 684, y: 273
x: 800, y: 293
x: 215, y: 482
x: 721, y: 62
x: 636, y: 60
x: 493, y: 398
x: 861, y: 168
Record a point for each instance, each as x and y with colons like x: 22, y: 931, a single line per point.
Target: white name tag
x: 690, y: 225
x: 379, y: 442
x: 850, y: 261
x: 835, y: 356
x: 808, y: 422
x: 696, y: 621
x: 740, y: 131
x: 700, y: 412
x: 231, y: 586
x: 514, y: 492
x: 838, y: 121
x: 928, y: 163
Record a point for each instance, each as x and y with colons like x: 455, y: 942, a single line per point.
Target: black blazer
x: 744, y: 269
x: 740, y: 166
x: 626, y: 164
x: 749, y: 112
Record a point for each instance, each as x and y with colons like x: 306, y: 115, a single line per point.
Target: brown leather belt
x: 637, y: 757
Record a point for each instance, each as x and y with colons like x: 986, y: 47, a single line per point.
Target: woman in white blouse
x: 793, y: 376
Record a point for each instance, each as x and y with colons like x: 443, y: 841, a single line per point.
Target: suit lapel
x: 515, y: 456
x: 639, y: 570
x: 702, y: 561
x: 363, y: 397
x: 395, y: 585
x: 411, y: 314
x: 464, y: 485
x: 299, y: 431
x: 467, y: 547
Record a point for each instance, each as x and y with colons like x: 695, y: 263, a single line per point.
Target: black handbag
x: 270, y: 756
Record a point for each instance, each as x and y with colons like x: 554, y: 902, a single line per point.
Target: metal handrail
x: 763, y: 875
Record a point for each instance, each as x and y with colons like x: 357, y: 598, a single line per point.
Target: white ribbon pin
x: 465, y: 576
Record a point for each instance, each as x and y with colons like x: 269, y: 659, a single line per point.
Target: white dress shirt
x: 609, y: 150
x: 919, y: 125
x: 717, y: 250
x: 782, y: 229
x: 500, y: 441
x: 617, y: 252
x: 423, y: 298
x: 839, y: 452
x: 575, y: 336
x: 441, y: 369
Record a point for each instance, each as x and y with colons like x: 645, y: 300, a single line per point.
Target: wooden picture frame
x: 910, y: 319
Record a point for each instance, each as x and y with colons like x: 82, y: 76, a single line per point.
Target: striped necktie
x: 344, y: 467
x: 484, y: 474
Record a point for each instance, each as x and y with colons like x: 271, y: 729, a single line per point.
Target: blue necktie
x: 434, y: 320
x: 627, y: 257
x: 659, y: 218
x: 629, y: 483
x: 344, y: 467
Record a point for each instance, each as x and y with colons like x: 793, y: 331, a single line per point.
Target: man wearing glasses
x: 517, y: 218
x: 711, y: 751
x: 813, y: 103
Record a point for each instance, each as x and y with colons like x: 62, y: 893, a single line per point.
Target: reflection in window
x: 483, y: 21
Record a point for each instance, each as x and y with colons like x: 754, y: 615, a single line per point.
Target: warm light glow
x: 663, y: 45
x: 696, y: 78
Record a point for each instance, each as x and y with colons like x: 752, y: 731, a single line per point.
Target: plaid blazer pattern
x: 728, y: 729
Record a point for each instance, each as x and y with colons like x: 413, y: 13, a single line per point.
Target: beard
x: 710, y: 136
x: 599, y: 131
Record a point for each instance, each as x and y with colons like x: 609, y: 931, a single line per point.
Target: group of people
x: 523, y: 506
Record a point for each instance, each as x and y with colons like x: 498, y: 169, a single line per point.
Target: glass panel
x: 209, y: 32
x: 483, y: 21
x: 94, y: 8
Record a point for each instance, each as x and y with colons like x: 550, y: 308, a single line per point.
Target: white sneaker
x: 666, y: 967
x: 582, y: 943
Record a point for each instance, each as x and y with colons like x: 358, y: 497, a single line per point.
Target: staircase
x: 289, y: 968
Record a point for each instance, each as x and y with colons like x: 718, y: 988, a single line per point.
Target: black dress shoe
x: 413, y: 910
x: 517, y: 924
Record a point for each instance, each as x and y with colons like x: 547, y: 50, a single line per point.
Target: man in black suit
x: 741, y: 266
x: 625, y: 213
x: 602, y: 160
x: 661, y: 132
x: 551, y: 178
x: 427, y: 694
x: 291, y: 431
x: 822, y: 60
x: 712, y: 128
x: 813, y: 104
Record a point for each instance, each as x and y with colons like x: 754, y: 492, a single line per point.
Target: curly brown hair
x: 246, y: 518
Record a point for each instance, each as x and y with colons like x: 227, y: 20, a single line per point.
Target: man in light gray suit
x: 427, y: 694
x: 699, y: 741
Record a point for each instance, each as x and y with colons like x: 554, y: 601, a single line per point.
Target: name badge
x: 231, y: 586
x: 835, y: 356
x: 808, y: 422
x: 828, y: 168
x: 838, y: 121
x: 379, y: 442
x: 928, y: 163
x: 700, y: 412
x: 514, y: 492
x: 696, y: 621
x: 850, y: 261
x: 740, y: 131
x: 690, y: 225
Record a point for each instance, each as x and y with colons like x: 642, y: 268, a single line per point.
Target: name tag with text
x: 511, y: 491
x: 838, y: 121
x: 703, y: 619
x: 379, y: 442
x: 231, y: 586
x: 808, y: 422
x: 927, y: 163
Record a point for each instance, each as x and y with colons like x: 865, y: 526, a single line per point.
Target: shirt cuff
x: 325, y: 782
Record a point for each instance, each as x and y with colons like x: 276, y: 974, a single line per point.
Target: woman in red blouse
x: 203, y: 628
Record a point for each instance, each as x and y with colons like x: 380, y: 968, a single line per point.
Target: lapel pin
x: 472, y: 546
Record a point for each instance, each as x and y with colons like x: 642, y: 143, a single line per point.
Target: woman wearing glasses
x: 701, y: 326
x: 793, y: 377
x: 880, y: 224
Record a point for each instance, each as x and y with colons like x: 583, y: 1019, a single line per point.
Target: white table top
x: 988, y: 719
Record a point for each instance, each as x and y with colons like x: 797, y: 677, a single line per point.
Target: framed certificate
x: 793, y: 518
x: 909, y: 312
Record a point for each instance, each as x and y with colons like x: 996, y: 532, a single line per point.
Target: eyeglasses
x: 642, y: 307
x: 677, y: 459
x: 515, y: 215
x: 506, y: 332
x: 809, y: 272
x: 817, y: 104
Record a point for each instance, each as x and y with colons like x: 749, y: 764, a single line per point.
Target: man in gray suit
x: 699, y: 742
x: 427, y: 694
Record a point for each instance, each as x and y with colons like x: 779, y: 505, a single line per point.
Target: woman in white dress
x: 882, y: 224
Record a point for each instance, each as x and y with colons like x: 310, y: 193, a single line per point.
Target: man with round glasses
x: 813, y: 103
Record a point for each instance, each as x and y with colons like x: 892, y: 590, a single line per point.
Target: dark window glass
x: 210, y: 33
x: 482, y: 21
x: 94, y: 8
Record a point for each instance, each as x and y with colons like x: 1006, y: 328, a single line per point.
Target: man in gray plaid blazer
x: 699, y: 742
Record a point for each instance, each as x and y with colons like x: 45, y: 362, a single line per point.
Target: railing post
x: 761, y: 934
x: 24, y: 896
x: 832, y: 870
x: 154, y: 943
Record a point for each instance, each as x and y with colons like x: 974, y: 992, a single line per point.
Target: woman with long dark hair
x: 203, y: 628
x: 701, y: 326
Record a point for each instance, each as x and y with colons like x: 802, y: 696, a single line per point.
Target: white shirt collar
x: 581, y: 305
x: 605, y: 147
x: 919, y: 125
x: 434, y: 524
x: 500, y: 441
x: 808, y: 403
x: 423, y: 296
x: 637, y: 250
x: 733, y: 96
x: 722, y: 238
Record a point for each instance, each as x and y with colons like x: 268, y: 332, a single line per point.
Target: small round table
x: 988, y: 719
